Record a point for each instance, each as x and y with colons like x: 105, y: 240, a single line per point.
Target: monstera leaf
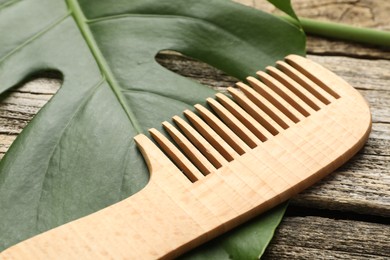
x: 78, y: 154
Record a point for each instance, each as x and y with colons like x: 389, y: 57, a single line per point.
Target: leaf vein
x: 78, y: 109
x: 34, y: 37
x: 81, y: 22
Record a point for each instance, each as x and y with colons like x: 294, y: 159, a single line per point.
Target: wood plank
x: 20, y: 104
x: 363, y: 74
x: 361, y: 186
x: 314, y: 237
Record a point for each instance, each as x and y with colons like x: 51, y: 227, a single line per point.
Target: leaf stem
x: 82, y: 21
x: 343, y: 31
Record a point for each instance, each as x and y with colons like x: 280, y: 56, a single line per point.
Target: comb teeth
x: 212, y: 137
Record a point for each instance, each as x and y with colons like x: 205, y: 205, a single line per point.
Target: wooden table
x: 343, y: 216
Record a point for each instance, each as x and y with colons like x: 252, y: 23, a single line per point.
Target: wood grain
x: 20, y: 104
x: 323, y: 238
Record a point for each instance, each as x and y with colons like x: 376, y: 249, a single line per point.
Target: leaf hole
x: 19, y: 104
x: 194, y: 69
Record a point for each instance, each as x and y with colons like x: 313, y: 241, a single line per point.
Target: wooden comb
x: 231, y: 162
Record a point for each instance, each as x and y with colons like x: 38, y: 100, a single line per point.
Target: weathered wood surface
x: 360, y: 189
x: 324, y: 238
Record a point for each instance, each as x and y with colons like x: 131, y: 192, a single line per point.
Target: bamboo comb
x: 231, y: 162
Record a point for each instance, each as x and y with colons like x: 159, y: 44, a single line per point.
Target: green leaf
x: 78, y: 155
x: 285, y: 6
